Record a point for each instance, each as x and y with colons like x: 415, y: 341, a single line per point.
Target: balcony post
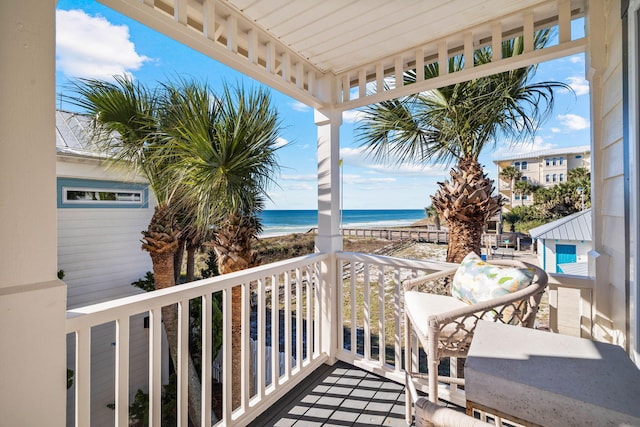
x: 32, y: 299
x: 329, y: 239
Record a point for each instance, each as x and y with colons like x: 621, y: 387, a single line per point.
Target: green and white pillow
x: 477, y: 280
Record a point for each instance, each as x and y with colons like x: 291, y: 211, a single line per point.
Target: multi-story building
x: 544, y: 168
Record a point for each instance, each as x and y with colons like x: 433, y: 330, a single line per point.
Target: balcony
x: 355, y: 320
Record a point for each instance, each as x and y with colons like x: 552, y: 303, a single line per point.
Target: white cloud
x: 579, y: 85
x: 352, y: 116
x: 300, y: 186
x: 91, y: 47
x: 508, y: 149
x: 576, y: 59
x: 573, y: 121
x: 281, y: 142
x: 308, y: 177
x: 358, y: 157
x: 299, y: 106
x: 359, y: 179
x: 556, y: 130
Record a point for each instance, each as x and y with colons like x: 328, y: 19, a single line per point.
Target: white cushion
x: 421, y: 305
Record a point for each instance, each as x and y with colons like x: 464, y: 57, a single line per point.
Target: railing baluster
x: 381, y: 318
x: 83, y: 377
x: 183, y: 363
x: 308, y: 315
x: 122, y: 371
x: 246, y: 378
x: 287, y: 324
x: 318, y: 308
x: 352, y: 301
x: 367, y: 313
x: 261, y: 339
x: 275, y: 330
x: 227, y: 401
x: 155, y: 366
x: 341, y: 298
x: 299, y: 312
x: 397, y: 315
x: 207, y: 341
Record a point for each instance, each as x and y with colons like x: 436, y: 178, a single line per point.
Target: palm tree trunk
x: 177, y: 260
x: 191, y: 263
x: 464, y: 237
x: 164, y: 277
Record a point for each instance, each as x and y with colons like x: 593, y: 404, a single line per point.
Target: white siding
x: 547, y: 252
x: 100, y: 253
x: 605, y: 62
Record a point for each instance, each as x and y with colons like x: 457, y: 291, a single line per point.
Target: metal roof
x: 545, y: 153
x: 73, y: 135
x: 575, y: 227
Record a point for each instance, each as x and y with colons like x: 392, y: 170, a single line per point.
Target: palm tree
x: 126, y: 124
x: 512, y: 174
x: 511, y: 218
x: 454, y: 124
x: 431, y: 212
x: 522, y: 188
x: 225, y: 152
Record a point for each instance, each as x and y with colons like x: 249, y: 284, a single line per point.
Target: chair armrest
x: 432, y: 277
x: 480, y: 308
x: 429, y: 412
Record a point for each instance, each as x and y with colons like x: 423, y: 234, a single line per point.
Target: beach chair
x: 444, y: 322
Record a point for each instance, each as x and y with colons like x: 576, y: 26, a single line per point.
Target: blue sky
x: 97, y: 42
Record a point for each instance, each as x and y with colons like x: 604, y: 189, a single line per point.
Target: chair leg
x: 407, y: 369
x: 433, y: 360
x: 433, y: 379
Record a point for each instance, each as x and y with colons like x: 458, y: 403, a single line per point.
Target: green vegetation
x: 552, y: 203
x: 454, y: 125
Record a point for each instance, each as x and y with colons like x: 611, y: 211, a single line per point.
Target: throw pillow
x: 476, y: 280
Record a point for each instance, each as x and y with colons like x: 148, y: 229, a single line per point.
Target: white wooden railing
x: 371, y: 312
x: 369, y: 330
x: 297, y: 281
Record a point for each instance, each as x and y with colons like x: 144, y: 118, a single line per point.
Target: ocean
x: 281, y: 222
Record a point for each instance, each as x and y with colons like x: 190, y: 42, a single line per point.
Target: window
x: 92, y: 193
x: 554, y: 177
x: 578, y: 156
x: 524, y: 166
x: 561, y: 177
x: 80, y: 195
x: 547, y: 178
x: 517, y: 165
x: 524, y: 178
x: 561, y: 160
x: 547, y: 162
x: 524, y: 197
x: 517, y: 197
x: 554, y: 161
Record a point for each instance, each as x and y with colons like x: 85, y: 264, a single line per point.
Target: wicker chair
x: 444, y: 325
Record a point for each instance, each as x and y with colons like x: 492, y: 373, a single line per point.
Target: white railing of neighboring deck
x: 291, y: 287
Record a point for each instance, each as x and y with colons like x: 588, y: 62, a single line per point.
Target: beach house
x: 333, y: 57
x: 101, y: 210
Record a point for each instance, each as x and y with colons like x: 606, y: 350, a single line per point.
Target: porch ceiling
x: 338, y: 52
x: 340, y: 35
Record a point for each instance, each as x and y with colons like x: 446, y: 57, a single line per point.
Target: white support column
x: 329, y: 239
x: 32, y: 300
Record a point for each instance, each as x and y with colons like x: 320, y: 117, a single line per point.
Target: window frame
x: 67, y: 185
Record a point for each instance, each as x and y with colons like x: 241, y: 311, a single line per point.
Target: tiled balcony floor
x: 339, y: 395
